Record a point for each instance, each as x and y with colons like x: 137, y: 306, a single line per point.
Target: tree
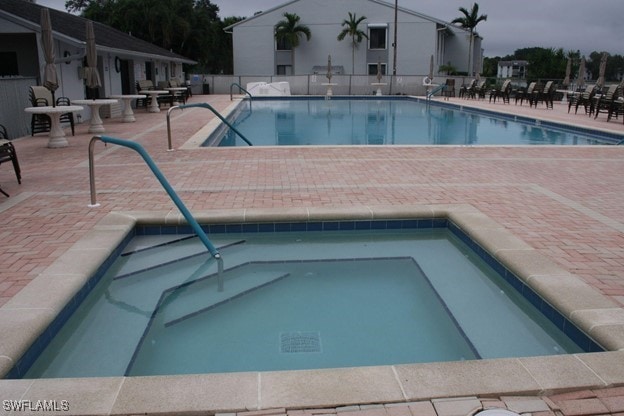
x: 350, y: 28
x: 191, y: 28
x: 289, y: 32
x: 470, y: 20
x: 544, y: 63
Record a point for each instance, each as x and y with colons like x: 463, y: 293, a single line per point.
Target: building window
x: 283, y: 45
x: 372, y: 69
x: 8, y: 64
x: 284, y: 70
x: 377, y: 38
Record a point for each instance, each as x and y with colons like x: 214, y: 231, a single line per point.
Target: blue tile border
x: 585, y: 342
x: 32, y: 353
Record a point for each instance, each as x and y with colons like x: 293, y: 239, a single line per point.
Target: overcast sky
x: 585, y: 25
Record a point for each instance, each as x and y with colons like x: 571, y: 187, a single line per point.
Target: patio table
x: 57, y: 134
x: 128, y: 114
x: 153, y: 107
x: 96, y: 125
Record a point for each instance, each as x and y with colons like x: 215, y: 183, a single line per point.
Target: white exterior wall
x: 254, y: 40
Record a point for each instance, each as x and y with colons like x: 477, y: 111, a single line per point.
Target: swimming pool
x: 389, y: 121
x: 340, y: 294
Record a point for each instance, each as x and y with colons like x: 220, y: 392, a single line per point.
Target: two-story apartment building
x: 418, y: 37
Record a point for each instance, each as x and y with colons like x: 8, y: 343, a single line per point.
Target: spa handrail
x: 161, y: 178
x: 236, y: 84
x: 202, y: 105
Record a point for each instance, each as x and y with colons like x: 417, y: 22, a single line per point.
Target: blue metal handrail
x: 202, y: 105
x: 161, y: 178
x: 236, y: 84
x: 435, y: 90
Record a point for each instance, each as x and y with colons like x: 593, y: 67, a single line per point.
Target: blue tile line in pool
x: 585, y: 342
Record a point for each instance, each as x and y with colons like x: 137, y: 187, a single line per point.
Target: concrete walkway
x: 567, y: 202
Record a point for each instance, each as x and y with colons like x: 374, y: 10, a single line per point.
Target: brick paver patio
x: 568, y: 202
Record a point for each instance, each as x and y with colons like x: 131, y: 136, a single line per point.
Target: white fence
x: 316, y: 84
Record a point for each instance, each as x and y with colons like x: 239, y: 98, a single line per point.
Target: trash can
x: 206, y: 88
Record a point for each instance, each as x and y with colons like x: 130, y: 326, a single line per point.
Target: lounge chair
x: 545, y: 94
x: 8, y: 153
x: 477, y: 90
x: 174, y: 83
x: 526, y: 94
x: 502, y: 92
x: 607, y: 103
x: 147, y: 84
x: 584, y: 99
x: 41, y: 96
x: 463, y: 90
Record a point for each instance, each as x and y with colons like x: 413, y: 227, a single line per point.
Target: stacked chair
x: 8, y: 154
x: 42, y: 97
x: 503, y: 92
x: 584, y: 99
x: 608, y: 102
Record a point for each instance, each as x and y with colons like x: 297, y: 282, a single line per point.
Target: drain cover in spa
x: 298, y: 342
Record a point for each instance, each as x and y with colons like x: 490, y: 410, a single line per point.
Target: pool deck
x: 567, y: 203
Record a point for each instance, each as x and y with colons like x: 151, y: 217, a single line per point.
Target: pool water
x: 291, y: 300
x: 298, y: 122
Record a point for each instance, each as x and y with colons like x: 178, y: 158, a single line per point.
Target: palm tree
x: 350, y: 27
x: 469, y: 21
x: 289, y: 31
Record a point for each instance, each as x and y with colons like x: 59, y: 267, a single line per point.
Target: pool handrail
x: 236, y: 84
x: 202, y: 105
x: 435, y: 90
x: 161, y: 178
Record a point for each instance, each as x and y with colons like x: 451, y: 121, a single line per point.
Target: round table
x: 128, y: 114
x: 57, y: 134
x: 178, y: 91
x: 96, y: 125
x: 153, y: 107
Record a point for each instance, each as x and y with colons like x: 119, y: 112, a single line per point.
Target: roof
x: 71, y: 28
x: 380, y: 2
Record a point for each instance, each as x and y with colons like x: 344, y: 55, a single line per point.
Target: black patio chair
x: 526, y: 94
x: 584, y: 99
x: 607, y: 102
x: 42, y: 97
x: 503, y: 92
x: 8, y: 154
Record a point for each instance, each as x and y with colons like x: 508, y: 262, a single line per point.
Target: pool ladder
x: 201, y: 105
x: 163, y: 181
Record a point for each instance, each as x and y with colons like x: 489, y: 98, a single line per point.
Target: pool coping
x: 29, y: 313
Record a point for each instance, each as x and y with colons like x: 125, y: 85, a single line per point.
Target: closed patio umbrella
x: 581, y: 74
x: 329, y: 68
x: 92, y: 76
x: 431, y: 68
x: 602, y: 70
x: 566, y: 80
x: 379, y: 75
x: 50, y: 76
